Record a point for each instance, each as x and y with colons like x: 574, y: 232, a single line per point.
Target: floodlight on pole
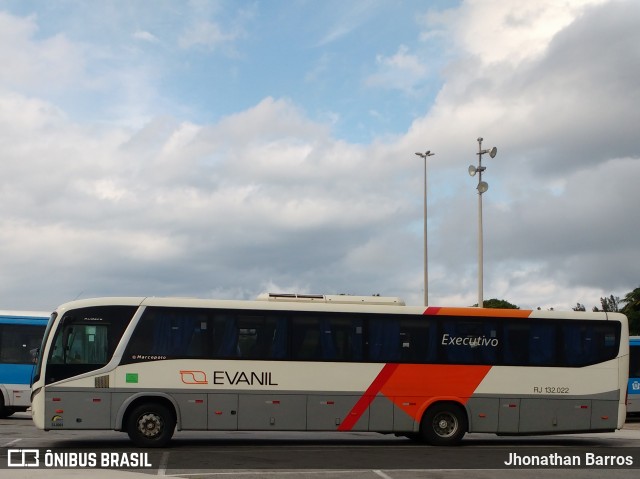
x: 482, y: 187
x: 426, y: 273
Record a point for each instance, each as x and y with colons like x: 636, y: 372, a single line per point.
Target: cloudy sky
x: 221, y: 149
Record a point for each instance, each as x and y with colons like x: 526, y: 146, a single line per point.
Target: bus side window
x: 577, y: 344
x: 516, y: 344
x: 198, y: 344
x: 347, y: 339
x: 280, y: 339
x: 253, y: 337
x: 586, y: 343
x: 259, y: 337
x: 385, y: 340
x: 262, y: 337
x: 634, y: 361
x: 470, y: 341
x: 171, y: 332
x: 542, y: 345
x: 327, y: 344
x: 415, y: 341
x: 225, y: 336
x: 17, y: 342
x: 305, y: 338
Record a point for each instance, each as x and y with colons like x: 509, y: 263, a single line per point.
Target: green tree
x: 579, y: 307
x: 631, y: 309
x: 498, y: 304
x: 610, y: 304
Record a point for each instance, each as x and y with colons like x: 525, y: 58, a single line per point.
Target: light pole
x: 426, y: 274
x: 482, y: 187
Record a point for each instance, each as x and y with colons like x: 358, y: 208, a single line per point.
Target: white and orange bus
x: 328, y: 363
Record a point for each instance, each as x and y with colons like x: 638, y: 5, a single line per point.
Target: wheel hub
x: 445, y: 425
x: 150, y: 425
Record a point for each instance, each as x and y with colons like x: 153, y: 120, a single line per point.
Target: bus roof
x: 331, y: 298
x: 299, y: 304
x: 24, y: 314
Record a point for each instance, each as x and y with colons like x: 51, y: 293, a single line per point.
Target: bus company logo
x: 249, y: 378
x: 193, y: 377
x: 23, y: 458
x: 635, y: 385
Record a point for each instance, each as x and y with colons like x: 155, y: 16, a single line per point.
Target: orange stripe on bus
x: 410, y: 386
x: 478, y: 312
x: 420, y: 383
x: 365, y: 401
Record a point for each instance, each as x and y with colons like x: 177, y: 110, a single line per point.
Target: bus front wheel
x: 151, y: 425
x: 444, y: 424
x: 5, y: 411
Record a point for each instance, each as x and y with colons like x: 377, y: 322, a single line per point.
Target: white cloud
x: 145, y: 36
x: 495, y: 31
x: 267, y: 198
x: 263, y: 189
x: 32, y: 64
x: 556, y: 214
x: 402, y: 71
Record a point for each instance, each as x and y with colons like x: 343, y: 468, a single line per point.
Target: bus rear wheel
x: 151, y: 425
x: 444, y: 424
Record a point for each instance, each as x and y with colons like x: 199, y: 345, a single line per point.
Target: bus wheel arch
x: 444, y: 423
x: 150, y: 421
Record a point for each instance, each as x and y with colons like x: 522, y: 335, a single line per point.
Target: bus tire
x: 151, y: 425
x: 5, y: 411
x: 444, y: 424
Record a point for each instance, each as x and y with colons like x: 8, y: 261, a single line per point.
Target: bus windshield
x: 85, y: 340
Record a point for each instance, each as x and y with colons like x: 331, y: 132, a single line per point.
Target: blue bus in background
x: 633, y: 391
x: 21, y: 333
